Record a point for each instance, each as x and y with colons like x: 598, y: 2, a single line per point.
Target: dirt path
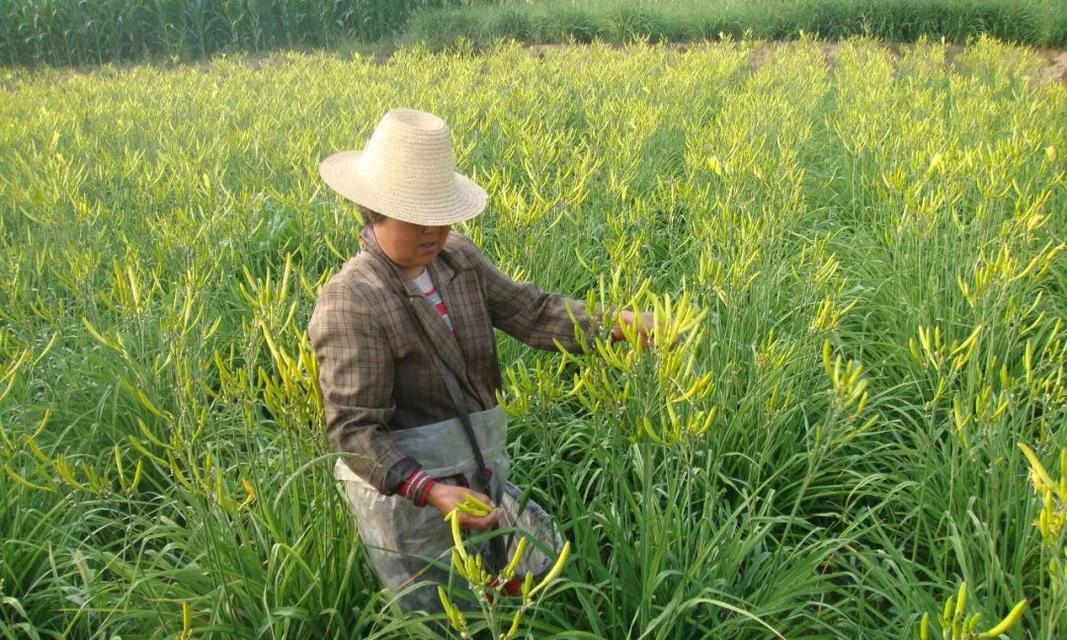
x: 1057, y: 69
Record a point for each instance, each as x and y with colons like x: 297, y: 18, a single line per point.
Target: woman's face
x: 410, y: 246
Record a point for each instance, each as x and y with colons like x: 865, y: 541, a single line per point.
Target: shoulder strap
x: 485, y: 474
x: 496, y: 558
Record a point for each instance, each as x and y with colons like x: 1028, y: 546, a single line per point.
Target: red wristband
x: 425, y: 493
x: 417, y: 487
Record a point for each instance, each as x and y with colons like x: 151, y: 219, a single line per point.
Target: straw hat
x: 406, y: 171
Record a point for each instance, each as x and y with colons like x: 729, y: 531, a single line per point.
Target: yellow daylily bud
x: 474, y: 507
x: 514, y: 625
x: 1007, y: 623
x: 520, y: 549
x: 826, y: 358
x: 527, y: 586
x: 556, y: 569
x: 961, y: 602
x: 457, y: 539
x: 1042, y: 480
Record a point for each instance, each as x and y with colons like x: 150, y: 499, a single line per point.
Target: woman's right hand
x: 445, y: 497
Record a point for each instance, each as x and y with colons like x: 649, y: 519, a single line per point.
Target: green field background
x: 67, y: 32
x: 874, y: 240
x: 87, y: 32
x: 1034, y: 22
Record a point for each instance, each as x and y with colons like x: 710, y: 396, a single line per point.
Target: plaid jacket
x: 375, y: 372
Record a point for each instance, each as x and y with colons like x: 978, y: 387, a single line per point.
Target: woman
x: 403, y: 335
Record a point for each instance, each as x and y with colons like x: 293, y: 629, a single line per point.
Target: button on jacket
x: 375, y: 372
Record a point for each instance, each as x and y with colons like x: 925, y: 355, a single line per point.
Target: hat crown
x: 406, y: 171
x: 412, y: 147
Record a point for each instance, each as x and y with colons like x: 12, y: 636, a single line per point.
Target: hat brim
x: 466, y: 200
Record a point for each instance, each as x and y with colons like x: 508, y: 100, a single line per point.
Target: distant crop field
x: 865, y: 252
x: 80, y: 32
x: 1034, y: 22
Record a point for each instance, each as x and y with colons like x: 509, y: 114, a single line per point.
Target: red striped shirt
x: 428, y: 289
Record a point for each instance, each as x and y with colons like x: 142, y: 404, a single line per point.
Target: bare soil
x: 1057, y: 69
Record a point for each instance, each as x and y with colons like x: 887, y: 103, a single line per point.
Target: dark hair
x: 370, y: 216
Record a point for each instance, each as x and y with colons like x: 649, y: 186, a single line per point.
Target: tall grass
x: 69, y: 32
x: 876, y: 249
x: 1038, y: 22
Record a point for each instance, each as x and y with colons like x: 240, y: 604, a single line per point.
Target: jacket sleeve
x: 531, y: 315
x: 356, y: 378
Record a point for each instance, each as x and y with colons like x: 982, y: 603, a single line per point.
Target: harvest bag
x: 402, y: 539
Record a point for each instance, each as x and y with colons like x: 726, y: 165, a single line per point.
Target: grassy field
x: 1037, y: 22
x: 875, y: 248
